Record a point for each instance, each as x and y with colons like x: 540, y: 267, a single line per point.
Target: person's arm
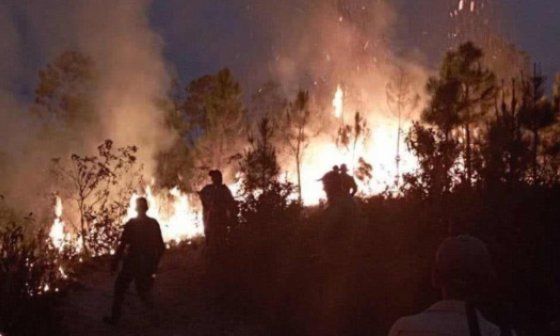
x: 123, y: 243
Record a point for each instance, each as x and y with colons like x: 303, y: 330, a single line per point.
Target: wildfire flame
x: 338, y: 102
x: 56, y: 234
x: 179, y: 220
x: 378, y: 149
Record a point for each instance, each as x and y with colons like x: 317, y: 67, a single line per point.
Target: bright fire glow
x: 379, y: 150
x: 56, y: 234
x: 177, y: 218
x: 181, y: 219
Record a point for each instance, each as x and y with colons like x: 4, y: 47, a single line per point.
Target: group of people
x: 463, y: 266
x: 141, y: 243
x: 338, y: 184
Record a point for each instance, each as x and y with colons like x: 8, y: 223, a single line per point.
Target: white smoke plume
x: 128, y: 57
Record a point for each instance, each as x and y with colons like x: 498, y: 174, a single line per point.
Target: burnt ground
x: 185, y: 304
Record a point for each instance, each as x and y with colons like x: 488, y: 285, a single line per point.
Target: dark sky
x: 217, y: 33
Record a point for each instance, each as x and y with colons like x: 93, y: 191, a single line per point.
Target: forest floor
x: 184, y: 303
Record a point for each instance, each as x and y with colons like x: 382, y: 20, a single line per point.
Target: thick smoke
x: 132, y: 74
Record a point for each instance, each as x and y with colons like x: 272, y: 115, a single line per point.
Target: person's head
x: 335, y: 169
x: 463, y: 267
x: 216, y: 176
x: 141, y: 206
x: 344, y: 168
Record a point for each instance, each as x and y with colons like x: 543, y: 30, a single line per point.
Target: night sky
x: 533, y: 25
x: 200, y: 37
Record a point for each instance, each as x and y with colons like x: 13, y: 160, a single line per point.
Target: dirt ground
x: 184, y: 304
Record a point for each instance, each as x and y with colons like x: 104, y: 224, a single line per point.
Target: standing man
x: 347, y: 182
x: 140, y: 248
x: 331, y: 185
x: 219, y: 210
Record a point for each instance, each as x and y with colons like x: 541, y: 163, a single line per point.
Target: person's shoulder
x: 152, y: 221
x: 129, y: 223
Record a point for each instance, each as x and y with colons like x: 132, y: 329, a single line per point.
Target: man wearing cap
x: 331, y: 185
x: 462, y: 268
x: 218, y: 210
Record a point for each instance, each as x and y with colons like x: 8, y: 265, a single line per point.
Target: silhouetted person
x: 140, y: 249
x: 332, y: 185
x: 219, y: 210
x: 463, y: 268
x: 349, y: 188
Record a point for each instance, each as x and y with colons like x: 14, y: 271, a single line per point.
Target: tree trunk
x: 298, y: 171
x: 536, y: 142
x: 83, y: 229
x: 468, y: 153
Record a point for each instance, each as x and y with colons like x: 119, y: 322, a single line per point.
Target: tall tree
x: 175, y: 165
x: 270, y: 102
x: 505, y: 150
x: 101, y: 185
x: 297, y: 132
x: 401, y: 101
x: 63, y: 97
x: 460, y: 96
x: 537, y: 113
x: 214, y: 106
x: 259, y: 165
x: 349, y: 136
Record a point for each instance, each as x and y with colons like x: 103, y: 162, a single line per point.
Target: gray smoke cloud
x: 128, y: 56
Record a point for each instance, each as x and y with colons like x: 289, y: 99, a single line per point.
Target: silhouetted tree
x: 460, y: 96
x: 297, y: 131
x: 436, y: 154
x: 504, y: 150
x: 401, y: 101
x: 536, y: 114
x: 349, y: 136
x: 175, y: 165
x: 63, y: 97
x: 101, y: 186
x: 259, y: 166
x: 214, y: 106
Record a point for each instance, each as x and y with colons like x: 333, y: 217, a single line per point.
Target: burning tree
x: 349, y: 136
x: 297, y: 132
x: 101, y: 186
x: 32, y: 273
x: 401, y: 100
